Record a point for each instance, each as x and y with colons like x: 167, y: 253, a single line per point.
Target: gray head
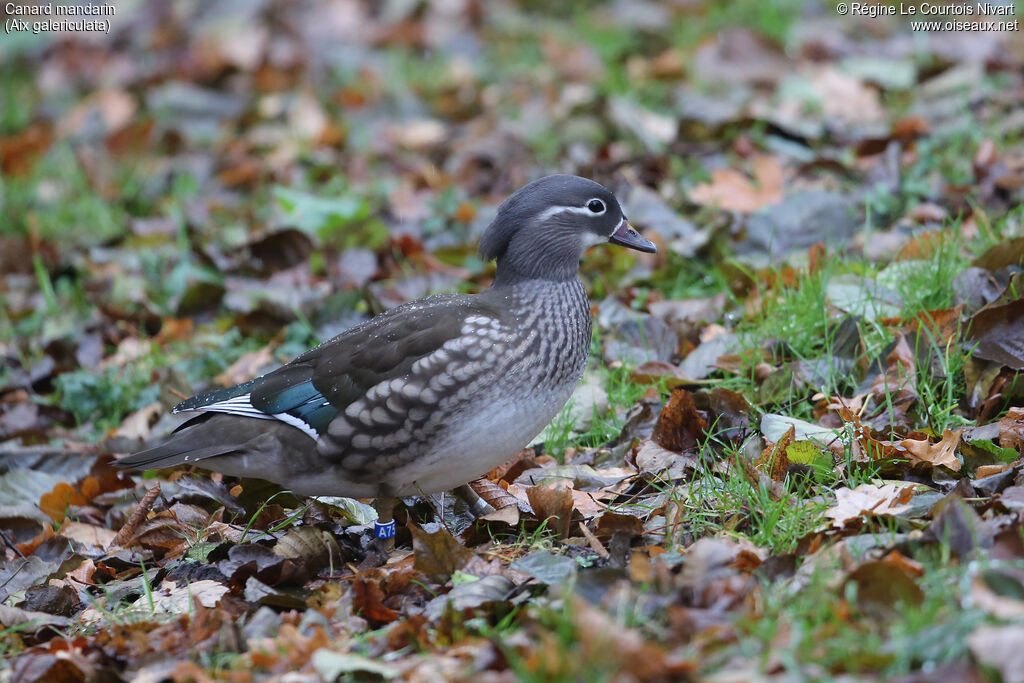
x: 542, y: 230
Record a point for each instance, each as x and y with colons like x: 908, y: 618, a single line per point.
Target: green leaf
x: 326, y: 218
x: 460, y: 577
x: 1005, y: 455
x: 359, y: 513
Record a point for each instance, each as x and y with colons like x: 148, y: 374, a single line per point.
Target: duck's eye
x: 596, y: 206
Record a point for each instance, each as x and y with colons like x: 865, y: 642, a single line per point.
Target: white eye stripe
x: 555, y: 210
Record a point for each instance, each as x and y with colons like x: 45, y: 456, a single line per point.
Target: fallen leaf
x: 775, y: 458
x: 732, y: 190
x: 315, y: 548
x: 957, y: 524
x: 56, y: 502
x: 438, y: 554
x: 137, y: 425
x: 19, y: 152
x: 552, y: 503
x: 490, y: 589
x: 1011, y: 429
x: 996, y: 333
x: 885, y: 585
x: 368, y: 601
x: 679, y: 427
x: 87, y: 534
x: 659, y: 461
x: 868, y: 500
x: 942, y: 453
x: 546, y: 567
x: 999, y: 647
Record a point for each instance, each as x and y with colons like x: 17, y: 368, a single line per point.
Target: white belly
x: 474, y: 445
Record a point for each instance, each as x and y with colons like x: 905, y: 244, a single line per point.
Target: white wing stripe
x: 242, y: 405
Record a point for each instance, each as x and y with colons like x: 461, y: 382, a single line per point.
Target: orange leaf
x: 56, y: 502
x: 368, y: 600
x: 90, y: 488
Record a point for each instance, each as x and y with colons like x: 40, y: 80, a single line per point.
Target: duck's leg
x: 477, y: 505
x: 384, y: 527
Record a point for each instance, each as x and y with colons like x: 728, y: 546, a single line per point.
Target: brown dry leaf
x: 654, y: 459
x: 899, y: 381
x: 997, y: 592
x: 244, y: 172
x: 709, y: 572
x: 368, y: 601
x: 989, y: 470
x: 641, y: 570
x: 611, y: 523
x: 411, y: 632
x: 506, y: 506
x: 438, y: 554
x: 495, y: 496
x: 138, y: 424
x: 82, y: 575
x: 314, y: 547
x: 247, y: 366
x: 885, y: 585
x: 910, y: 567
x: 508, y: 515
x: 942, y: 324
x: 624, y: 649
x: 942, y: 453
x: 306, y: 117
x: 588, y: 504
x: 35, y: 667
x: 910, y: 127
x: 775, y: 456
x: 553, y: 502
x: 19, y: 152
x: 1011, y: 429
x: 679, y: 427
x: 996, y: 333
x: 868, y: 500
x: 732, y: 190
x: 956, y: 523
x: 657, y: 371
x: 30, y: 546
x: 87, y: 534
x: 1006, y: 253
x: 741, y: 55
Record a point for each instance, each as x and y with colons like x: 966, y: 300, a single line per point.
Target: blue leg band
x: 384, y: 530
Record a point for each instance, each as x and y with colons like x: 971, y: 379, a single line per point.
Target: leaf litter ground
x: 797, y: 450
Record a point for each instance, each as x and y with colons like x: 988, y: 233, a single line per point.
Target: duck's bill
x: 626, y: 236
